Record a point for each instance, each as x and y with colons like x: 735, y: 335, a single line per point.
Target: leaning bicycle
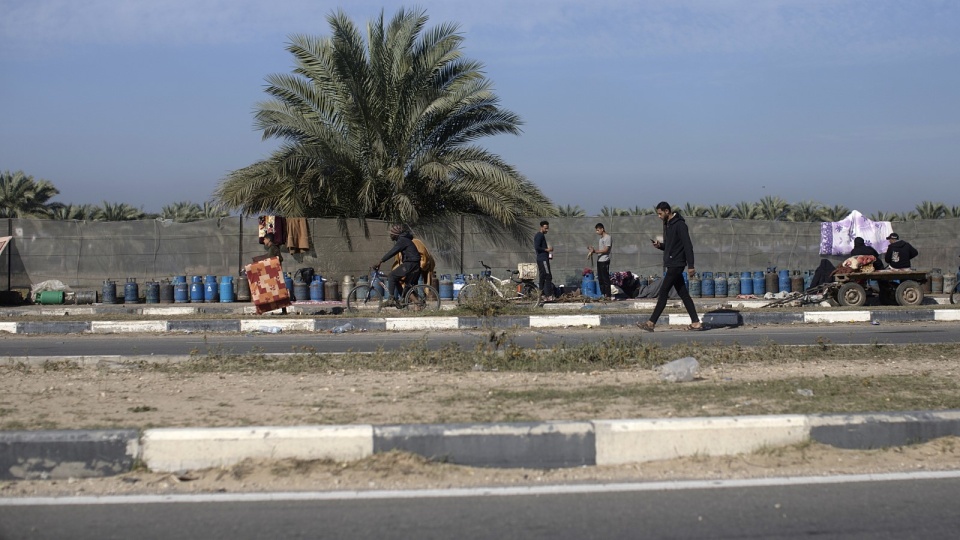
x: 518, y: 289
x: 369, y: 296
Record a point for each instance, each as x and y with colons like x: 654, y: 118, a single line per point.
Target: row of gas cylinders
x: 721, y: 284
x: 200, y: 289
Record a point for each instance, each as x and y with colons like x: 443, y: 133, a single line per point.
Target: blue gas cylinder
x: 746, y: 283
x: 784, y: 281
x: 226, y: 289
x: 720, y: 282
x: 152, y: 293
x: 707, y: 284
x: 211, y: 290
x: 807, y: 279
x: 589, y: 286
x: 179, y: 279
x: 694, y: 284
x: 446, y: 287
x: 458, y: 283
x: 759, y: 283
x: 181, y: 292
x: 288, y: 282
x: 109, y: 292
x: 196, y: 289
x: 131, y: 291
x: 733, y: 285
x: 316, y: 289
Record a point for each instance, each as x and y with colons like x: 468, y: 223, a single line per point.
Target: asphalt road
x: 183, y: 344
x: 908, y: 507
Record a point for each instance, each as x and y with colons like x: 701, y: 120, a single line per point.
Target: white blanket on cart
x: 836, y: 237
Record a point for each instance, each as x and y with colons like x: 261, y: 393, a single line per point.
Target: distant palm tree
x: 880, y: 215
x: 744, y: 210
x: 805, y: 212
x: 181, y: 212
x: 772, y: 208
x: 117, y: 212
x: 931, y: 210
x: 718, y: 211
x: 571, y: 211
x: 909, y: 216
x: 641, y: 211
x: 694, y: 210
x: 954, y: 212
x: 71, y: 212
x: 607, y: 211
x: 212, y: 210
x: 835, y: 213
x: 23, y: 197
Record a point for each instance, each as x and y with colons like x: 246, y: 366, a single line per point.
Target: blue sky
x: 624, y: 103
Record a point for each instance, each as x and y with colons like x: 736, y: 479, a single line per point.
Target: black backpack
x: 304, y: 275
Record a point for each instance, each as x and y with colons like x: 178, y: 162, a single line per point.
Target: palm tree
x: 835, y: 213
x: 805, y: 211
x: 116, y: 212
x: 772, y: 208
x: 718, y: 211
x: 181, y: 212
x: 571, y: 211
x: 608, y: 211
x: 880, y: 215
x: 931, y: 210
x: 744, y: 210
x: 383, y: 128
x: 641, y: 211
x: 23, y: 197
x: 212, y: 210
x: 71, y: 212
x: 693, y: 210
x: 954, y: 212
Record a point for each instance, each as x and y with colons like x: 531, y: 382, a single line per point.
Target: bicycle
x: 516, y: 290
x: 370, y: 296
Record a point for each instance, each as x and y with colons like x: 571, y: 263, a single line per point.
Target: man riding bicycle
x: 409, y: 271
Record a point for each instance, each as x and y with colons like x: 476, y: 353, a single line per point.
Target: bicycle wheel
x: 467, y: 293
x: 364, y: 298
x: 422, y: 298
x: 528, y: 295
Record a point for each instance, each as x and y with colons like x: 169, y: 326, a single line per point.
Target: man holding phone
x: 677, y: 254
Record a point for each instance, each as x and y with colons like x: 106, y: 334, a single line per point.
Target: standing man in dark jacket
x: 899, y: 252
x: 409, y: 269
x: 544, y: 254
x: 677, y: 254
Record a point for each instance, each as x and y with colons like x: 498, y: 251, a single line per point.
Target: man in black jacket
x: 409, y: 270
x: 899, y: 252
x: 677, y: 254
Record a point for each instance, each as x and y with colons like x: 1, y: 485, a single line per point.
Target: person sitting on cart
x: 899, y: 252
x: 409, y: 271
x: 860, y: 247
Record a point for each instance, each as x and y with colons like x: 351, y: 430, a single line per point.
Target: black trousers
x: 546, y: 278
x: 409, y: 273
x: 674, y: 279
x: 603, y: 276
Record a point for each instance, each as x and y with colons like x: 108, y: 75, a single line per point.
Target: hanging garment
x: 298, y: 235
x: 275, y: 225
x: 836, y: 238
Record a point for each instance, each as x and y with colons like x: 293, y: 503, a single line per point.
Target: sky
x: 624, y: 103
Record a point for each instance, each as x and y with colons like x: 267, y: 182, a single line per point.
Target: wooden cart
x: 901, y: 286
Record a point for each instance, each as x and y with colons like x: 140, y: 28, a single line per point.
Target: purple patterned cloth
x: 836, y: 237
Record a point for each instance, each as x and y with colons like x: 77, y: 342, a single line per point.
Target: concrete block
x: 53, y: 327
x: 946, y: 315
x: 168, y: 310
x: 546, y: 321
x: 118, y: 327
x: 836, y: 316
x: 286, y: 325
x: 9, y: 327
x: 534, y: 444
x: 637, y: 441
x: 170, y: 450
x: 880, y: 430
x: 57, y: 454
x: 422, y: 323
x: 204, y: 325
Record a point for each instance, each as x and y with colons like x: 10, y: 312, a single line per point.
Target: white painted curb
x: 423, y: 323
x: 168, y: 450
x: 637, y: 441
x: 286, y: 325
x: 836, y: 316
x: 115, y: 327
x: 946, y: 315
x: 10, y: 327
x: 545, y: 321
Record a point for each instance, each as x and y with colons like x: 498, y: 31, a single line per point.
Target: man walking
x: 544, y: 251
x: 603, y: 260
x: 677, y: 254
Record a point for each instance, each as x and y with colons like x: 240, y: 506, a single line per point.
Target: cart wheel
x: 852, y: 294
x: 909, y: 293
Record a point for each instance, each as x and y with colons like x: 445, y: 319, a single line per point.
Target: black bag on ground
x: 304, y: 275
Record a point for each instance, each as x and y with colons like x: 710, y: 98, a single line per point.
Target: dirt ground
x: 124, y: 397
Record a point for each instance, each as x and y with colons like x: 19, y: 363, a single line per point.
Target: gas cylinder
x: 226, y: 289
x: 707, y: 285
x: 196, y: 289
x: 316, y: 289
x: 152, y: 293
x: 796, y: 282
x: 784, y: 281
x: 694, y: 284
x: 131, y: 291
x: 733, y: 284
x: 446, y: 287
x: 771, y: 281
x: 759, y: 283
x: 936, y: 279
x: 720, y: 285
x: 330, y: 292
x: 109, y: 292
x: 243, y: 288
x: 346, y: 285
x: 166, y: 291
